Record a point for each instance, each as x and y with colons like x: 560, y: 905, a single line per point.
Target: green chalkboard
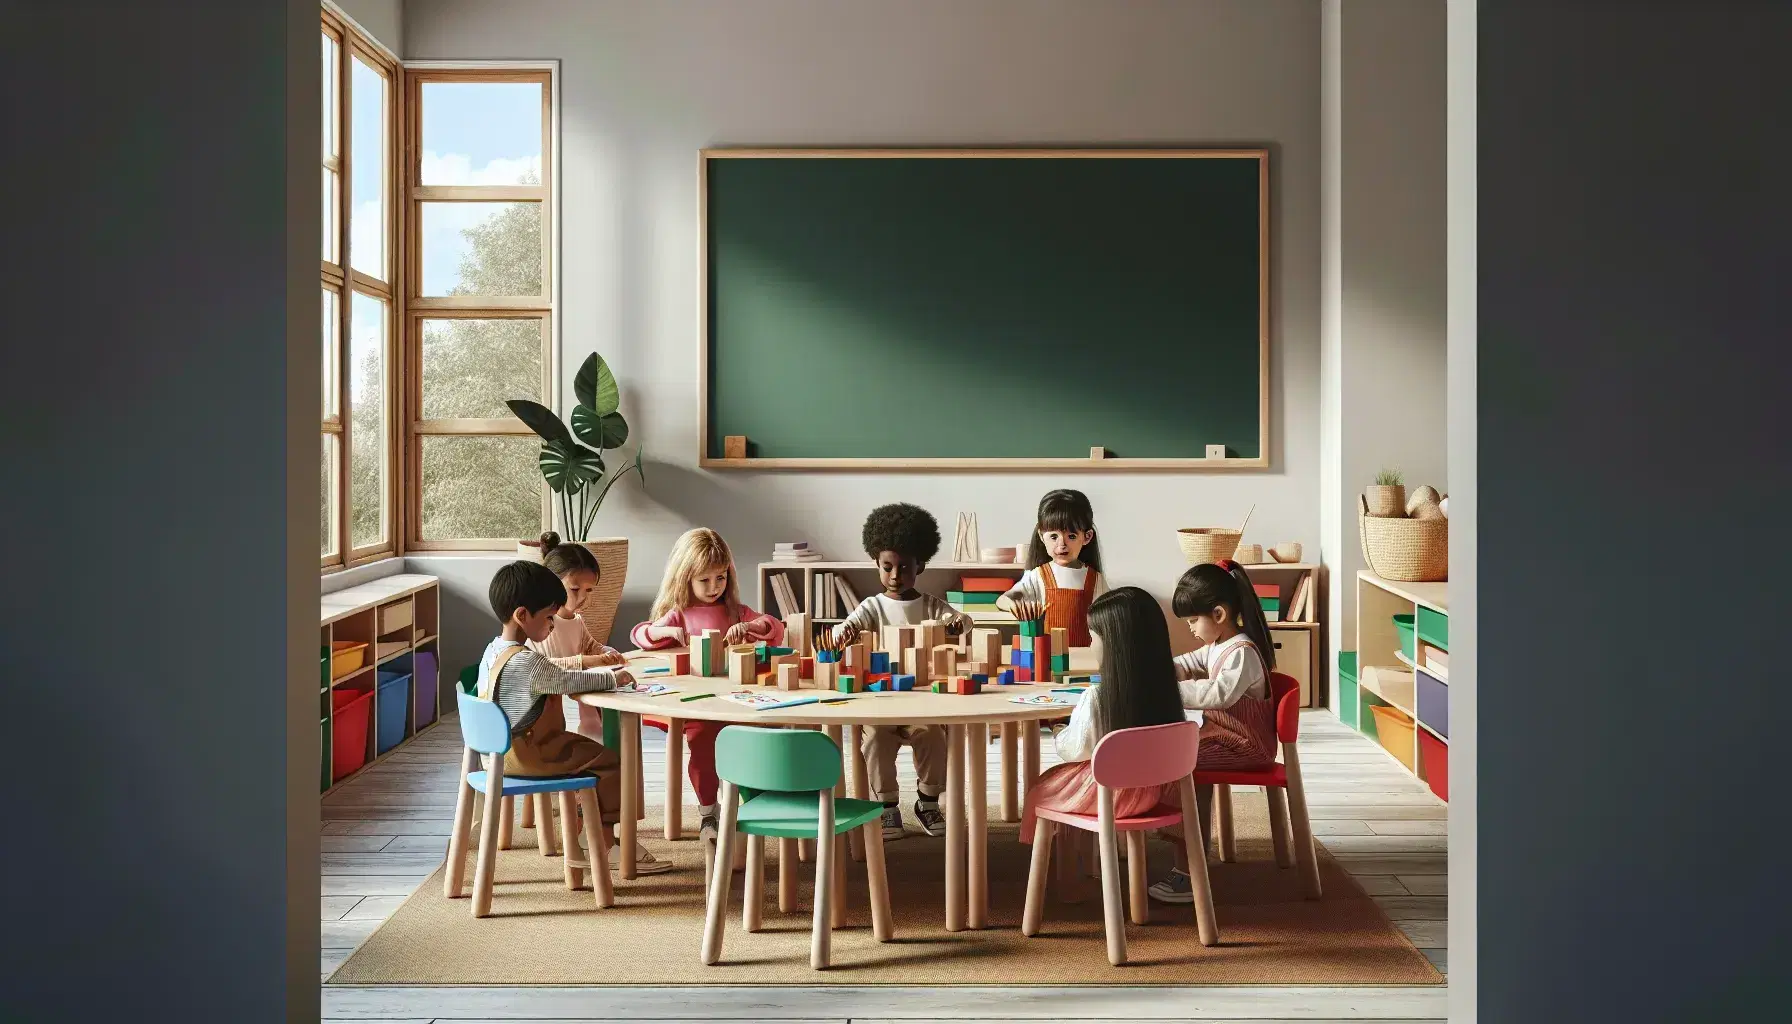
x: 985, y: 308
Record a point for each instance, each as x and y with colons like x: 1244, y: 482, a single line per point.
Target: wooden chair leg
x: 877, y: 881
x: 752, y: 889
x: 1205, y: 925
x: 1304, y: 853
x: 505, y: 820
x: 805, y: 850
x: 1065, y: 882
x: 572, y: 864
x: 1135, y: 878
x: 1042, y: 859
x: 599, y: 846
x: 786, y: 875
x: 1278, y: 825
x: 528, y: 810
x: 838, y: 898
x: 821, y: 931
x: 454, y: 872
x: 717, y: 912
x: 1113, y: 916
x: 1222, y: 819
x: 1010, y: 771
x: 544, y: 824
x: 486, y: 867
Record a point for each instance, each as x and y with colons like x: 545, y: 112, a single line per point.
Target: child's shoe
x: 645, y: 862
x: 709, y: 828
x: 932, y: 820
x: 893, y: 829
x: 1174, y: 887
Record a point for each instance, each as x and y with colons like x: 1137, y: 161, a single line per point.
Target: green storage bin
x: 1434, y: 628
x: 1347, y: 688
x: 1409, y: 645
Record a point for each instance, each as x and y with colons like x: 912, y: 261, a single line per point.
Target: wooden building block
x: 710, y: 653
x: 826, y: 673
x: 848, y: 684
x: 734, y: 446
x: 945, y: 661
x: 906, y: 637
x: 743, y: 668
x: 681, y: 663
x: 889, y: 637
x: 931, y: 634
x: 915, y: 663
x: 806, y: 668
x: 1032, y: 627
x: 1060, y: 640
x: 902, y: 682
x: 797, y: 632
x: 986, y: 646
x: 790, y: 676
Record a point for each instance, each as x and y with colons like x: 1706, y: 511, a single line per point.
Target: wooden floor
x: 386, y: 830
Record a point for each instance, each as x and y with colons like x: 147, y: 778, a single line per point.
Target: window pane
x: 481, y: 133
x: 330, y: 209
x: 367, y: 168
x: 330, y: 73
x: 327, y: 525
x: 481, y: 248
x: 480, y: 487
x: 331, y: 350
x: 367, y: 410
x: 472, y: 367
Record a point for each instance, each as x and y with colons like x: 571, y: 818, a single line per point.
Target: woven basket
x: 1386, y: 500
x: 1202, y: 544
x: 612, y: 572
x: 1405, y: 550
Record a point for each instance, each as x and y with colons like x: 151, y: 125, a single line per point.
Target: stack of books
x: 1270, y: 597
x: 834, y: 598
x: 795, y: 551
x: 978, y: 593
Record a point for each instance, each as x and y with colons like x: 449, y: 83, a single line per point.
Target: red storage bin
x: 353, y: 710
x: 1434, y: 755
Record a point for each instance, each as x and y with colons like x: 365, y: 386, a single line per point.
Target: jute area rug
x: 542, y: 934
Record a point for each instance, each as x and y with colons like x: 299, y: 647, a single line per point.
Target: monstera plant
x: 572, y: 458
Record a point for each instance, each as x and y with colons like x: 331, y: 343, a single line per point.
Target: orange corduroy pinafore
x: 1068, y: 609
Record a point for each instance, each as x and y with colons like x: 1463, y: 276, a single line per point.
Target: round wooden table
x: 967, y: 720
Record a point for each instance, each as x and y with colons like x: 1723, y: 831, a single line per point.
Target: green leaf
x: 595, y: 386
x: 541, y: 419
x: 568, y: 467
x: 601, y: 432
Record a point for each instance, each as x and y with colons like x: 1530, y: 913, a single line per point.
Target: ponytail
x: 1208, y: 586
x: 564, y: 558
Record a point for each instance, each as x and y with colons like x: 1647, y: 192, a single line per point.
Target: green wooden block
x: 1033, y: 627
x: 1060, y: 663
x: 845, y: 684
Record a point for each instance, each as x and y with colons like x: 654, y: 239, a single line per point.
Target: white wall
x: 1382, y: 215
x: 381, y: 19
x: 646, y: 85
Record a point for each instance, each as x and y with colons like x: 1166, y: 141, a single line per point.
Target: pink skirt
x: 1071, y: 788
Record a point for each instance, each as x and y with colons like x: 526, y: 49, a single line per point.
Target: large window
x: 360, y: 303
x: 479, y: 303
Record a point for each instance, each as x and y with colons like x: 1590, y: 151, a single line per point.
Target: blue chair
x: 780, y: 783
x: 486, y: 730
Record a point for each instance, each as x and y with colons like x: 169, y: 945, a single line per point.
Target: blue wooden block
x: 902, y: 682
x: 877, y: 687
x: 827, y: 657
x: 880, y: 662
x: 1022, y: 659
x: 980, y: 678
x: 1006, y: 678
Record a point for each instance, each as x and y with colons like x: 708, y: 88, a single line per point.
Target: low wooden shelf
x: 1378, y: 646
x: 394, y: 616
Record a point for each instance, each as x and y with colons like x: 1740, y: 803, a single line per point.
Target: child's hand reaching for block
x: 675, y: 634
x: 736, y: 634
x: 608, y: 659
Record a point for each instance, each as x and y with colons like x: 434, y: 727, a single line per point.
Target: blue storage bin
x: 1433, y: 702
x: 394, y: 703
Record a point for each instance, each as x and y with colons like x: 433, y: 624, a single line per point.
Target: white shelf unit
x: 398, y: 617
x: 936, y: 579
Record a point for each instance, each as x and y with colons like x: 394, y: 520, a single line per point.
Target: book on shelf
x: 1300, y: 605
x: 848, y: 596
x: 791, y: 545
x: 785, y: 595
x: 1436, y: 662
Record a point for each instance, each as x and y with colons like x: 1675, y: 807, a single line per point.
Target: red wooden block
x: 1023, y: 675
x: 681, y: 663
x: 808, y: 668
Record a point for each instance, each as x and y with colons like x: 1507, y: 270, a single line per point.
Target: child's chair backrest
x: 483, y: 725
x: 777, y: 760
x: 1286, y: 691
x: 1147, y: 756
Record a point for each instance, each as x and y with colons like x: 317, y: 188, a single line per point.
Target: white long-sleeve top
x: 878, y: 611
x: 1077, y: 740
x: 1220, y: 675
x: 1031, y: 587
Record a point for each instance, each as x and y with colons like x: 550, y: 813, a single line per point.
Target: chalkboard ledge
x: 1104, y: 465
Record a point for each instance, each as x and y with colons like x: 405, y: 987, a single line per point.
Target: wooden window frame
x: 346, y: 281
x: 419, y: 307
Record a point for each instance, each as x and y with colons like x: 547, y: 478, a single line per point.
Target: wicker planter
x: 1386, y: 501
x: 1405, y: 550
x: 612, y: 572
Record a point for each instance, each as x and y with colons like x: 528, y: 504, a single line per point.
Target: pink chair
x: 1124, y: 759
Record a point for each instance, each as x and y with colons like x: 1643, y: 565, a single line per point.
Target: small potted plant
x: 572, y: 463
x: 1387, y: 495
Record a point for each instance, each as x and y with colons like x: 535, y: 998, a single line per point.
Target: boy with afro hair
x: 901, y: 539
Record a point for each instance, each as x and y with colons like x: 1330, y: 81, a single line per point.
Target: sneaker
x: 1174, y: 887
x: 709, y: 829
x: 893, y: 824
x: 931, y: 818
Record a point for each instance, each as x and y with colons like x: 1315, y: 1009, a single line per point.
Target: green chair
x: 780, y: 783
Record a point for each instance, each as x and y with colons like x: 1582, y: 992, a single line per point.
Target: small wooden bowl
x: 1286, y: 552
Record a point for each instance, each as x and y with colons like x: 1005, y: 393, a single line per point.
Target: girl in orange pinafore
x: 1137, y: 688
x: 1063, y: 576
x: 1227, y: 680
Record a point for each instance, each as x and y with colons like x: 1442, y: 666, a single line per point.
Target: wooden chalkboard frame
x: 1093, y: 463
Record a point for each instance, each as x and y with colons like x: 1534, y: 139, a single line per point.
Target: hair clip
x: 1226, y: 564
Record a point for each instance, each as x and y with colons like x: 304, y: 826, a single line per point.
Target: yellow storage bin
x: 346, y: 656
x: 1396, y: 732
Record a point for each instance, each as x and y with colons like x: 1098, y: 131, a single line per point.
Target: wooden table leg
x: 674, y: 779
x: 1010, y: 755
x: 955, y: 850
x: 854, y: 775
x: 977, y: 820
x: 631, y: 794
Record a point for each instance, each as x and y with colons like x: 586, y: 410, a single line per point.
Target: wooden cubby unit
x: 1388, y: 678
x: 397, y: 617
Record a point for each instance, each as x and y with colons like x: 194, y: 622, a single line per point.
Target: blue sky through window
x: 474, y: 133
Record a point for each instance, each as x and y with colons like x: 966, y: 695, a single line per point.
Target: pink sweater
x: 699, y: 617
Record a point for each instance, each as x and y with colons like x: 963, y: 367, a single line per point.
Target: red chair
x: 1284, y: 776
x: 1125, y: 759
